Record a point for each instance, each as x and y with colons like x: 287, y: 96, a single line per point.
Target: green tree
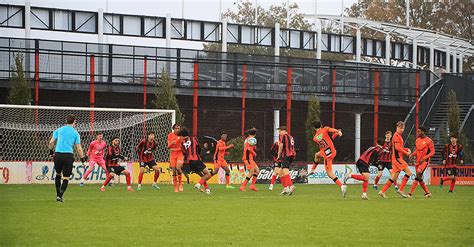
x: 20, y: 92
x: 314, y: 115
x: 454, y: 124
x: 235, y: 154
x: 453, y: 113
x: 165, y: 96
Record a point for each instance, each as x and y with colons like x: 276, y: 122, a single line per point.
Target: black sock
x: 64, y: 187
x: 57, y: 182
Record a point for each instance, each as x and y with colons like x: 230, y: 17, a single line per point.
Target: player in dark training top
x: 369, y: 157
x: 286, y: 155
x: 452, y: 155
x: 112, y: 157
x: 145, y: 150
x: 385, y: 159
x: 276, y: 166
x: 192, y: 160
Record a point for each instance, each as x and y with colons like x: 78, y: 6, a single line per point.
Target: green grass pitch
x: 315, y: 215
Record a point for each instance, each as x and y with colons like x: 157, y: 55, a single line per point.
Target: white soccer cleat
x: 396, y: 187
x: 284, y: 191
x: 376, y: 187
x: 154, y: 185
x: 346, y: 177
x: 344, y: 190
x: 139, y: 187
x: 402, y: 194
x: 382, y: 194
x: 291, y: 190
x: 270, y: 187
x: 427, y: 195
x: 208, y: 191
x: 364, y: 196
x: 197, y: 186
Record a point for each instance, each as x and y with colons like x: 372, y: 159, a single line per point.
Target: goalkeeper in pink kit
x: 96, y: 156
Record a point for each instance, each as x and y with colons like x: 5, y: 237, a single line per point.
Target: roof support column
x: 415, y: 54
x: 358, y: 45
x: 388, y: 52
x: 319, y: 44
x: 448, y: 60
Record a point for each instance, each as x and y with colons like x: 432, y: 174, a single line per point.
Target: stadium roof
x: 424, y: 37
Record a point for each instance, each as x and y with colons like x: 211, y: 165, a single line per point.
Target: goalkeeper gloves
x: 51, y: 153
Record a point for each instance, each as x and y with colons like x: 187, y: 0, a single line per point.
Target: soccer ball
x: 252, y: 141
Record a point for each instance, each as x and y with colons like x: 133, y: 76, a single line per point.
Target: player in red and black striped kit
x: 286, y: 155
x: 276, y: 167
x: 192, y: 160
x: 112, y: 158
x: 452, y: 155
x: 385, y: 159
x: 145, y: 150
x: 369, y: 157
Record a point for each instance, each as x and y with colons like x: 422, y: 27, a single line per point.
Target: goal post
x: 26, y: 130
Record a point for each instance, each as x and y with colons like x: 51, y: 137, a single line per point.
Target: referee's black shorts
x: 63, y: 163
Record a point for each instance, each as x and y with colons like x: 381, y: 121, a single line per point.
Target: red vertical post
x: 244, y: 81
x: 333, y: 97
x: 195, y: 100
x: 376, y: 105
x: 417, y: 96
x: 289, y: 91
x: 92, y: 93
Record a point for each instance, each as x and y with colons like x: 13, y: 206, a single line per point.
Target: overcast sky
x: 193, y: 9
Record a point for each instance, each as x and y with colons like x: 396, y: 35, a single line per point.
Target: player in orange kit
x: 176, y: 158
x: 219, y: 159
x: 328, y: 151
x: 248, y: 159
x: 424, y: 151
x: 398, y: 164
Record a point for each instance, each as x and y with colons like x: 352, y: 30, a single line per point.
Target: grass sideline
x: 315, y: 215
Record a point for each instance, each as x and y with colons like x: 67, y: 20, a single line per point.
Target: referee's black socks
x: 64, y: 187
x: 57, y: 182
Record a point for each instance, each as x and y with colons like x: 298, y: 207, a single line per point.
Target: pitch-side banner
x: 44, y: 173
x: 321, y: 177
x: 465, y: 175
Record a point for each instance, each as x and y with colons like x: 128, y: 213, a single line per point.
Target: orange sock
x: 387, y: 185
x: 404, y: 182
x: 227, y: 179
x: 413, y: 186
x: 423, y: 185
x: 336, y: 181
x: 246, y: 180
x: 254, y: 179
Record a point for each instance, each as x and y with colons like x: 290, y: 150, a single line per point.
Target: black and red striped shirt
x: 371, y: 155
x: 190, y: 148
x: 288, y: 143
x: 113, y: 156
x: 148, y: 147
x: 386, y: 155
x: 452, y: 154
x: 274, y: 150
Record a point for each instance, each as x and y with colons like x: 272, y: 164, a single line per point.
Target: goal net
x: 26, y: 130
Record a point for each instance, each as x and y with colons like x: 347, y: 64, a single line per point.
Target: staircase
x: 439, y: 127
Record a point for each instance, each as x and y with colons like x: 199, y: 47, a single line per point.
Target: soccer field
x: 314, y: 215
